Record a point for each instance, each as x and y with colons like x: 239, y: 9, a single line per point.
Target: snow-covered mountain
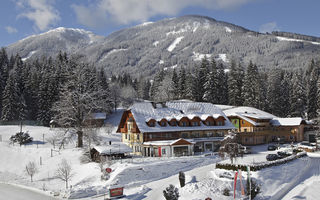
x: 172, y: 43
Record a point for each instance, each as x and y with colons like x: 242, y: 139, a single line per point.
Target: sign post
x: 116, y: 192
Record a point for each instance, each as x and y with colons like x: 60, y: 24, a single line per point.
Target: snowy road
x: 296, y: 189
x: 17, y: 193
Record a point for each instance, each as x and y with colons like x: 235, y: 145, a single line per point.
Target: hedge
x: 258, y: 166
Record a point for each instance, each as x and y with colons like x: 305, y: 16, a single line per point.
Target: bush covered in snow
x: 171, y: 193
x: 21, y: 138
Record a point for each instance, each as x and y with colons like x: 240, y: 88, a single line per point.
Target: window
x: 195, y: 124
x: 164, y: 151
x: 138, y: 137
x: 150, y: 136
x: 184, y: 135
x: 173, y: 123
x: 210, y: 123
x: 195, y: 135
x: 220, y: 123
x: 163, y: 123
x: 126, y: 136
x: 151, y: 123
x: 209, y: 134
x: 220, y: 134
x: 243, y: 121
x: 184, y: 123
x: 245, y: 130
x: 129, y: 136
x: 129, y: 126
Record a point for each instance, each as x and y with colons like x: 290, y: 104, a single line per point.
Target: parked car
x: 272, y: 147
x: 245, y: 150
x: 271, y: 157
x: 283, y: 154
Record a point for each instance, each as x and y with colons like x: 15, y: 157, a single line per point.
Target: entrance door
x: 208, y: 147
x: 180, y: 151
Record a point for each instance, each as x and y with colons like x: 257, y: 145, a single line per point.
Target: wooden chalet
x: 255, y: 126
x: 173, y: 128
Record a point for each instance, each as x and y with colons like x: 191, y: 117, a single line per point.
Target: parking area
x: 260, y: 152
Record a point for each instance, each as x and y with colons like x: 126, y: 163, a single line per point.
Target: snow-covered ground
x: 146, y: 178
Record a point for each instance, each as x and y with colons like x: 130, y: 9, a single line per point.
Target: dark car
x: 282, y: 154
x: 271, y: 157
x: 272, y: 147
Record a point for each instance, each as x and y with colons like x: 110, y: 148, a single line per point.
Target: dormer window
x: 184, y: 123
x: 195, y: 123
x: 220, y: 123
x: 151, y: 122
x: 173, y: 123
x: 163, y: 123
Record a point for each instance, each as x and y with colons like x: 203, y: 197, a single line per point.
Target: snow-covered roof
x: 294, y: 121
x: 165, y: 142
x: 246, y: 113
x: 113, y: 149
x: 99, y: 115
x: 143, y: 112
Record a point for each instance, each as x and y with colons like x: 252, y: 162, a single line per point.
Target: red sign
x: 116, y: 192
x: 109, y: 170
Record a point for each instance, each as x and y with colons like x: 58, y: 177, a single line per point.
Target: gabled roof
x: 246, y: 113
x: 179, y: 141
x: 113, y: 149
x: 143, y: 112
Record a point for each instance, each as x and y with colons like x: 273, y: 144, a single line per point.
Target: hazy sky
x: 21, y: 18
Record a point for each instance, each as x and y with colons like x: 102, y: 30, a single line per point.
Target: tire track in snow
x: 307, y: 172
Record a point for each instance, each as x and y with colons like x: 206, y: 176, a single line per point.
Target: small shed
x: 96, y: 119
x: 116, y: 150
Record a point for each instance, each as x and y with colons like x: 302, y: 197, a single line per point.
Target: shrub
x: 171, y: 193
x: 21, y: 138
x: 255, y: 188
x: 226, y: 192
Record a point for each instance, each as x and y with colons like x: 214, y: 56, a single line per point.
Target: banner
x: 235, y: 185
x: 249, y: 181
x: 241, y: 184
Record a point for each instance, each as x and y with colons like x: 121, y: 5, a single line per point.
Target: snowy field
x: 146, y: 178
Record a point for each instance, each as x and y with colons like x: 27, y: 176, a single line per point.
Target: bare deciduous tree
x: 79, y: 98
x: 64, y: 172
x: 31, y: 169
x: 231, y: 149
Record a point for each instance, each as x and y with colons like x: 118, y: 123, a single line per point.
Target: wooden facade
x: 133, y: 137
x: 264, y: 132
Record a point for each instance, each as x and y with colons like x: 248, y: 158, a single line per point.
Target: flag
x: 241, y: 184
x: 249, y: 181
x: 235, y: 185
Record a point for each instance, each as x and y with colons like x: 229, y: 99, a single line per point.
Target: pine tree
x: 175, y: 81
x: 182, y: 83
x: 233, y: 89
x: 11, y: 99
x: 274, y: 92
x: 156, y: 83
x: 251, y: 89
x: 312, y: 106
x: 285, y: 88
x: 211, y: 92
x: 3, y: 73
x: 222, y: 87
x: 297, y: 95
